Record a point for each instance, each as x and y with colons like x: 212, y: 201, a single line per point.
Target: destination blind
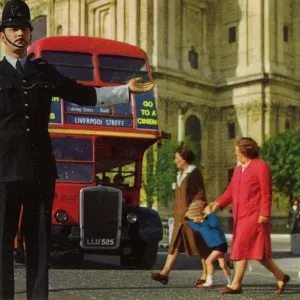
x: 146, y: 114
x: 119, y: 115
x: 56, y: 111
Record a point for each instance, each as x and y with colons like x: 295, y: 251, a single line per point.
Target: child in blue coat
x: 208, y: 224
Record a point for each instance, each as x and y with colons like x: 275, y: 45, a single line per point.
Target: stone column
x: 132, y: 11
x: 205, y: 67
x: 172, y: 32
x: 213, y: 154
x: 51, y: 23
x: 242, y: 119
x: 158, y: 57
x: 146, y: 27
x: 112, y: 12
x: 279, y: 31
x: 255, y: 121
x: 282, y: 116
x: 181, y: 126
x: 82, y: 18
x: 120, y: 15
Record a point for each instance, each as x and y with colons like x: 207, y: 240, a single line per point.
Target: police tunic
x: 25, y: 102
x: 27, y: 163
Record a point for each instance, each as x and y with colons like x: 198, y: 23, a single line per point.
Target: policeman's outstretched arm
x: 135, y: 86
x: 120, y: 94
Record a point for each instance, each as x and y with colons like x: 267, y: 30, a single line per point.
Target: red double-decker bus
x: 99, y: 153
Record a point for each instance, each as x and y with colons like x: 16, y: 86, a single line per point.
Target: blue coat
x: 210, y: 230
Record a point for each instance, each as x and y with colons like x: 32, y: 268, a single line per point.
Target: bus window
x: 72, y: 149
x: 120, y: 69
x: 72, y: 157
x: 121, y: 177
x: 78, y: 66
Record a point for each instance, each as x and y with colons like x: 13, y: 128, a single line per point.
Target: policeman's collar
x: 13, y: 60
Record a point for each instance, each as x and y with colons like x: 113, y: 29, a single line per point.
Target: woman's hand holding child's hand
x: 207, y: 210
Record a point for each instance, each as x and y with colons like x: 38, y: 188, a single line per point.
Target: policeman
x: 27, y: 163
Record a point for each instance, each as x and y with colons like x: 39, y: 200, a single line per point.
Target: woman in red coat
x: 250, y: 193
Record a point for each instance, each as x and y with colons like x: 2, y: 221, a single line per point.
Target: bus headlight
x: 61, y: 216
x: 131, y: 218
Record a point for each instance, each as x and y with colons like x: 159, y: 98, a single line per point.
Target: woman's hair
x: 295, y: 200
x: 186, y: 153
x: 248, y: 147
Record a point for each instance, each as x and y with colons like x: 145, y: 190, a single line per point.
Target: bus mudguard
x: 150, y: 225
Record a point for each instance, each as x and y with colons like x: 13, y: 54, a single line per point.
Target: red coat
x: 250, y: 193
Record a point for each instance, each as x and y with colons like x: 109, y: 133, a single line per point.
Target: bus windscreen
x: 120, y: 69
x: 78, y: 66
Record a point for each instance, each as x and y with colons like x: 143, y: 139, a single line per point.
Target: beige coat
x: 190, y: 189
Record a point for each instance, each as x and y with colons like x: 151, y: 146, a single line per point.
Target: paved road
x: 102, y: 278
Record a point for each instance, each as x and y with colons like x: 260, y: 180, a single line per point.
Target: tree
x: 149, y: 178
x: 166, y: 171
x: 282, y: 153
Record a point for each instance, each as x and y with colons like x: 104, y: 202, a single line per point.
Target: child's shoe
x: 206, y: 285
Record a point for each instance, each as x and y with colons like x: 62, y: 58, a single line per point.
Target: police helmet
x: 15, y: 13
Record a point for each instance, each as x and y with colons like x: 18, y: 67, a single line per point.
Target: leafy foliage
x: 282, y: 153
x: 149, y: 180
x: 166, y: 172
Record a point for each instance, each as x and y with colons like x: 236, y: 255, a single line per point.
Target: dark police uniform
x: 27, y: 163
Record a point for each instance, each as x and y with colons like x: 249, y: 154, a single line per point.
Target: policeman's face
x: 16, y: 35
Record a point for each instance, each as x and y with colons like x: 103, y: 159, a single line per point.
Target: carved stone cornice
x: 291, y: 111
x: 184, y: 107
x: 196, y: 3
x: 255, y: 107
x: 271, y: 107
x: 229, y: 113
x: 241, y: 108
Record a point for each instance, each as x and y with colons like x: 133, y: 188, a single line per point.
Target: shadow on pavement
x: 251, y: 288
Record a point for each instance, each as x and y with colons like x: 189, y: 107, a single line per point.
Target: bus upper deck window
x: 78, y: 66
x: 72, y: 149
x: 119, y: 69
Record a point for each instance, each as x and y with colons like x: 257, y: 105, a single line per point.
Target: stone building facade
x: 232, y: 67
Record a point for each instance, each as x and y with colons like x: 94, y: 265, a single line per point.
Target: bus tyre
x: 148, y: 255
x: 126, y: 261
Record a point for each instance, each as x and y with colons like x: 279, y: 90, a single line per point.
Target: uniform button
x: 28, y: 129
x: 25, y: 92
x: 24, y: 81
x: 27, y: 117
x: 26, y: 104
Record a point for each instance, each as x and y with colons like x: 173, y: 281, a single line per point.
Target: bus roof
x: 88, y: 45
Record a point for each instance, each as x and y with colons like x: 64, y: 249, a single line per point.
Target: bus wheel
x: 148, y: 255
x: 127, y: 261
